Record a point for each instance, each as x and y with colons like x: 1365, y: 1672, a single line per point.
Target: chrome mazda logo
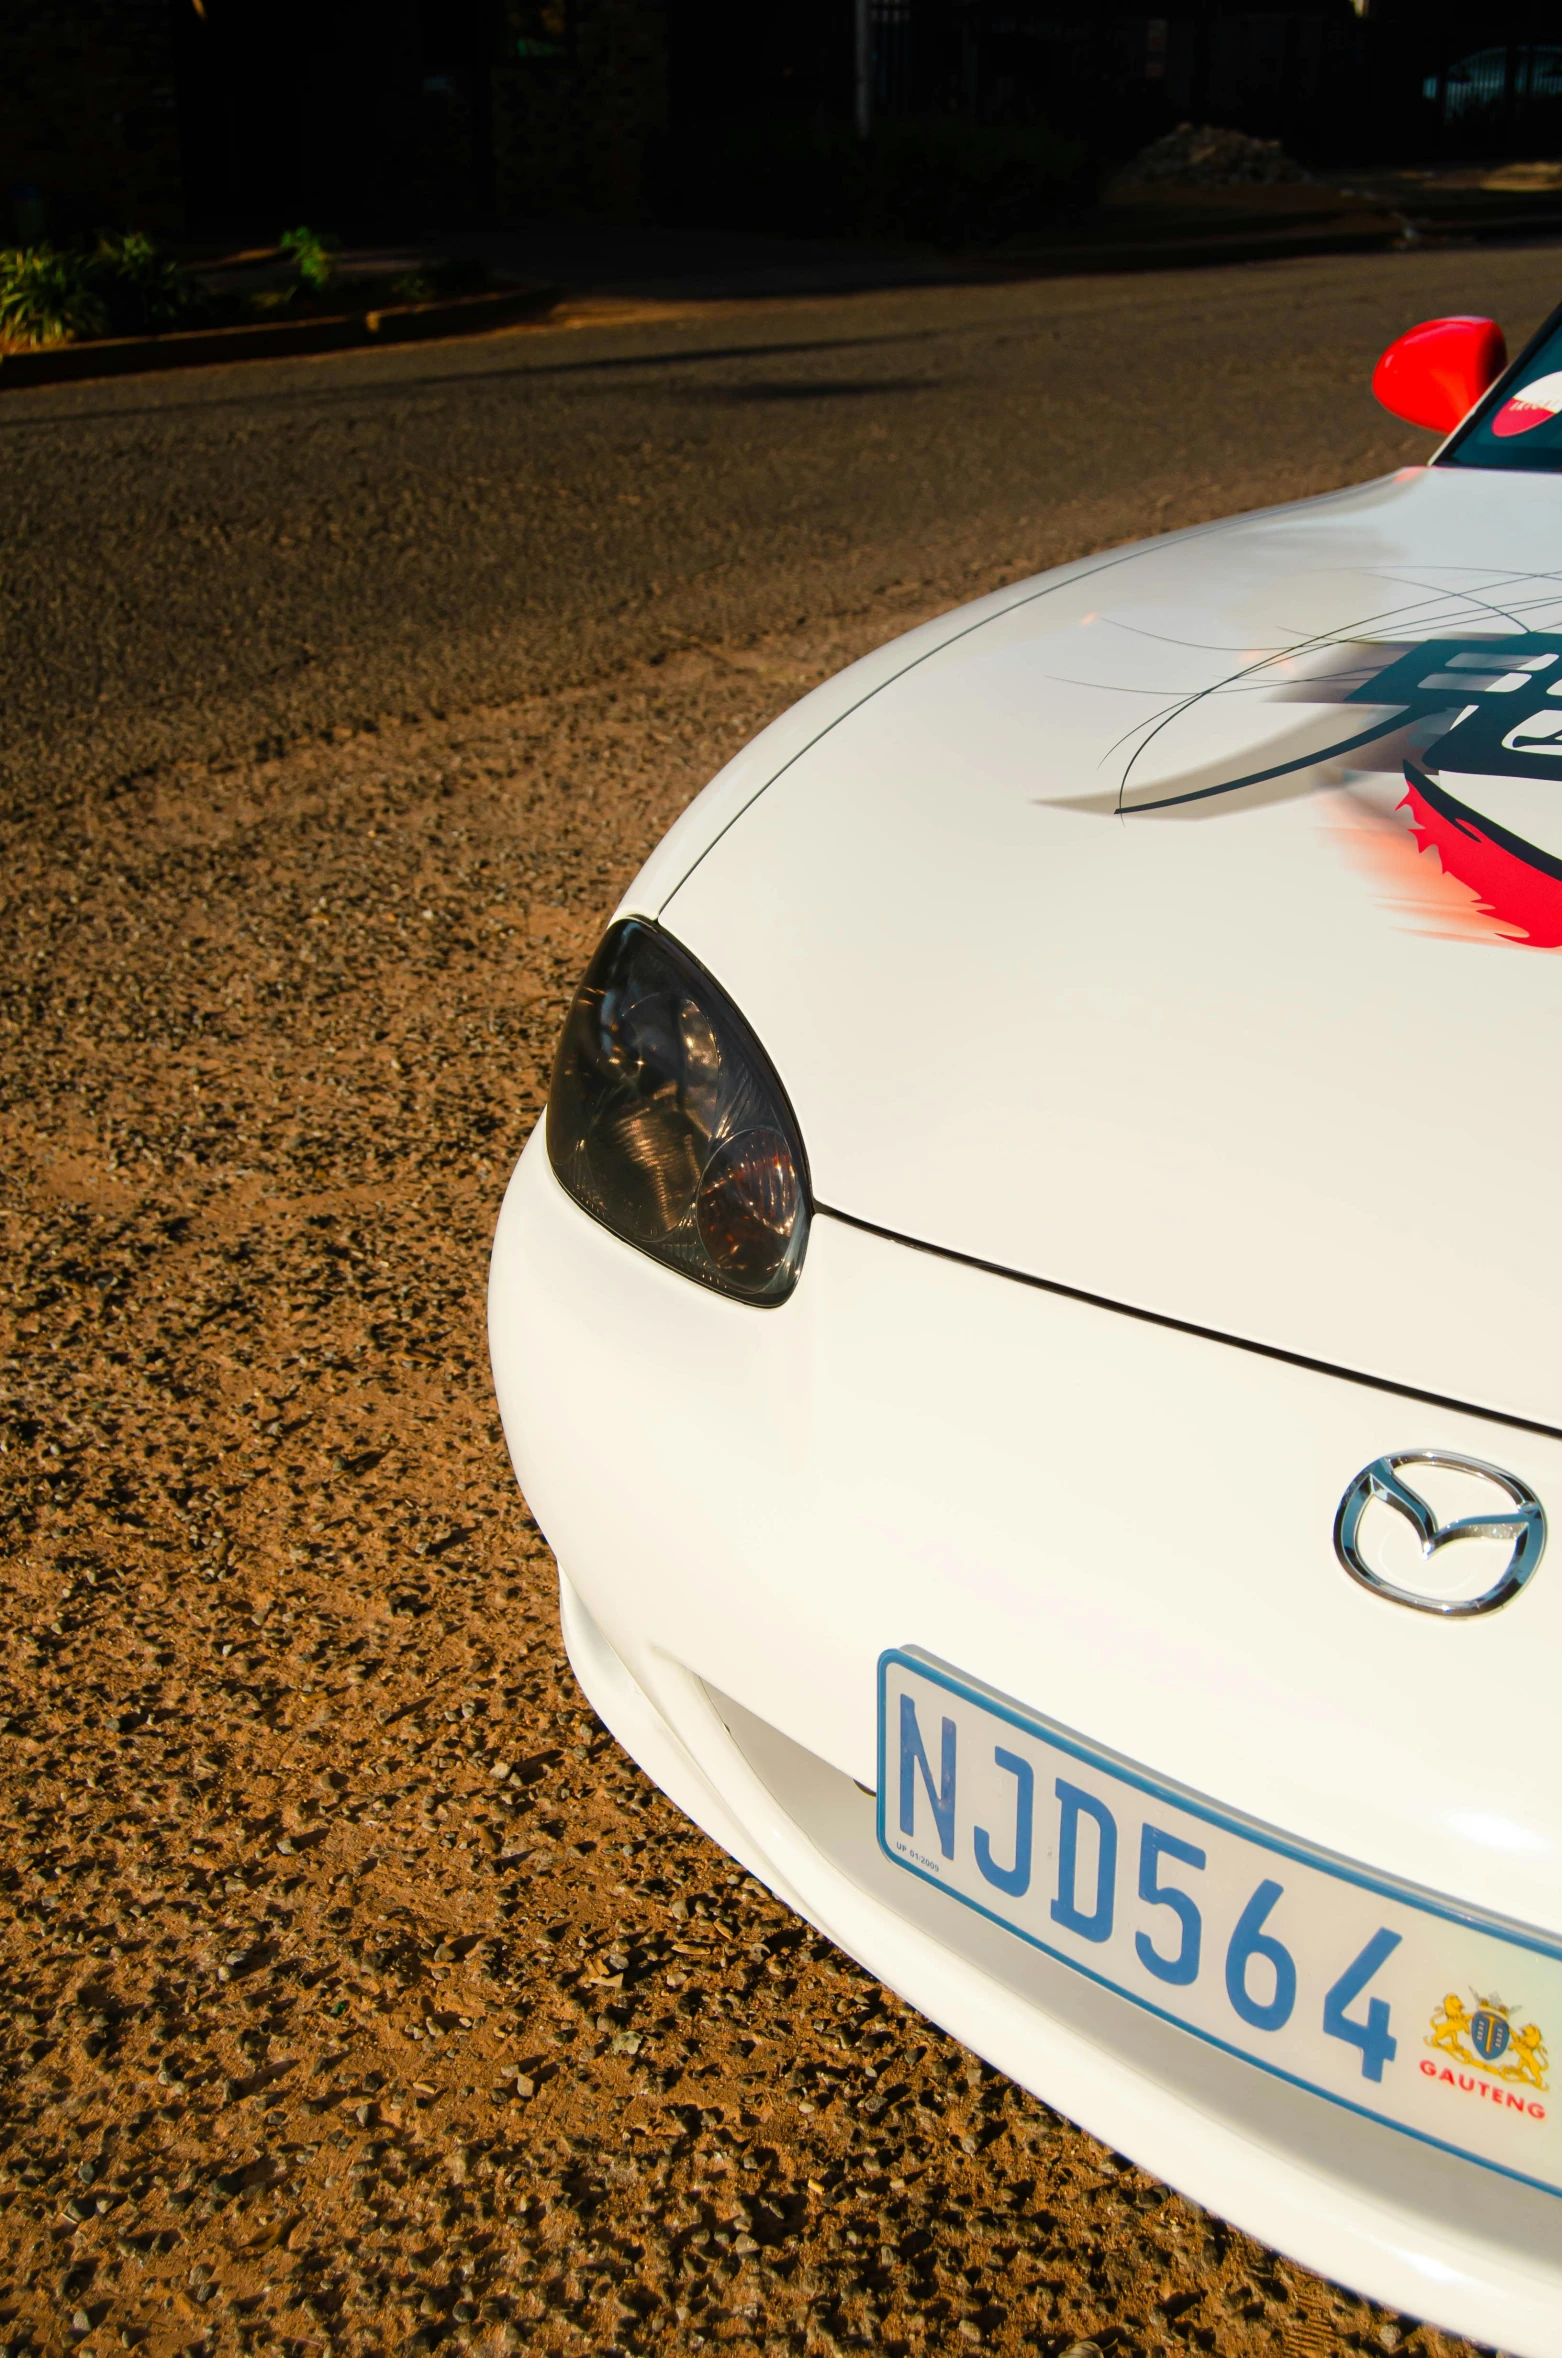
x: 1518, y: 1526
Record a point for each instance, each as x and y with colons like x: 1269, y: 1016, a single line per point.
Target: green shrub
x: 934, y: 180
x: 791, y: 178
x: 145, y: 292
x: 313, y: 256
x: 47, y: 296
x: 122, y: 287
x: 947, y: 183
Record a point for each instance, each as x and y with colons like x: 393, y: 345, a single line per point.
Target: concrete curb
x: 402, y: 323
x: 1275, y: 245
x: 1203, y: 252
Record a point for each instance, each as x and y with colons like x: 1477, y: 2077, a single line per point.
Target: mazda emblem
x: 1520, y: 1520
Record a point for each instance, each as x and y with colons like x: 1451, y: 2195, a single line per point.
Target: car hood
x: 1183, y: 929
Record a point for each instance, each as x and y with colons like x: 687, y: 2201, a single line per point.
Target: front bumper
x: 1127, y: 1528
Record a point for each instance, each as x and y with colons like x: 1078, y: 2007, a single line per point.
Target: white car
x: 1034, y: 1329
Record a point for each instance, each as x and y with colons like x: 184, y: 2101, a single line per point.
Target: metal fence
x: 891, y: 34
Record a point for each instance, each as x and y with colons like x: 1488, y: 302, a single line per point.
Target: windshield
x: 1521, y: 424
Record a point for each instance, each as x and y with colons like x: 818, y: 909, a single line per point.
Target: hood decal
x: 1458, y: 720
x: 1513, y: 881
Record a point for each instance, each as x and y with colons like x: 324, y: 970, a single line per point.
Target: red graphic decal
x: 1532, y: 406
x: 1507, y: 888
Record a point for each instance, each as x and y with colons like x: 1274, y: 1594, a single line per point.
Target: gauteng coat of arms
x: 1484, y: 2037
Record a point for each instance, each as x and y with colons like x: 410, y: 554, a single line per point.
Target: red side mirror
x: 1434, y: 375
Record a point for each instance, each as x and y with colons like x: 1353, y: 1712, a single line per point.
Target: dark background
x: 216, y: 118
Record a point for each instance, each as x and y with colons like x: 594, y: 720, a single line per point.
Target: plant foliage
x: 47, y: 297
x: 121, y: 287
x: 932, y: 180
x: 313, y: 256
x: 146, y: 292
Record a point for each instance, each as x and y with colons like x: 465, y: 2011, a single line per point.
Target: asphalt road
x: 195, y: 566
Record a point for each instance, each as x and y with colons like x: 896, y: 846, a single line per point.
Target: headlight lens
x: 667, y: 1124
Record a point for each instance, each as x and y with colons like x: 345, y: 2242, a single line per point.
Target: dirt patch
x: 357, y: 1992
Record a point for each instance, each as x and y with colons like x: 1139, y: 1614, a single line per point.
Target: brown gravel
x: 358, y: 1993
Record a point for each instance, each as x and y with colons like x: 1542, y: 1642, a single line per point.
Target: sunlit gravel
x: 358, y: 1993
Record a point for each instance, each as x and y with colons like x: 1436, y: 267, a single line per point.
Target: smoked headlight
x: 667, y: 1124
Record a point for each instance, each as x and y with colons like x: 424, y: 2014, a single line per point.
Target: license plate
x: 1408, y: 2008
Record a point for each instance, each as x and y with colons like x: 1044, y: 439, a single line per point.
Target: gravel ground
x: 358, y: 1993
